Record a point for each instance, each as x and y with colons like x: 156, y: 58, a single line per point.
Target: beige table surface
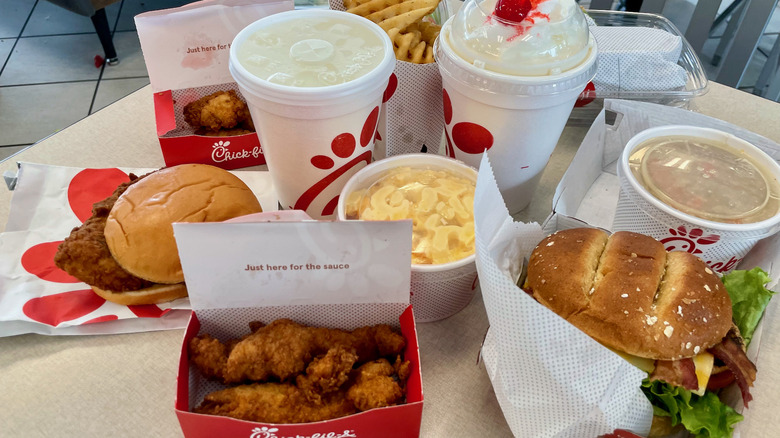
x: 124, y: 385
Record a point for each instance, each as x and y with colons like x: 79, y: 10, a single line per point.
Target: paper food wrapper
x: 412, y: 116
x: 186, y: 51
x: 342, y: 274
x: 637, y: 59
x: 550, y: 379
x: 38, y: 297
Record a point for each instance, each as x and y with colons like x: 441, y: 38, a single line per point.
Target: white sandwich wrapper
x: 637, y: 58
x: 550, y: 379
x: 35, y: 295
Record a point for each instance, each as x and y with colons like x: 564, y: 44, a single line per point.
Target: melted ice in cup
x: 439, y: 202
x: 705, y: 178
x: 311, y: 52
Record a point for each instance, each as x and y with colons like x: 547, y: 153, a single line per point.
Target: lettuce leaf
x: 749, y: 298
x: 703, y: 416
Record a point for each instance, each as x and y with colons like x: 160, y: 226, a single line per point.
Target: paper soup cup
x: 687, y: 216
x: 441, y: 290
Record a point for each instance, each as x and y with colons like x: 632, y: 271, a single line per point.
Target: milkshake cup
x: 511, y: 73
x: 313, y: 81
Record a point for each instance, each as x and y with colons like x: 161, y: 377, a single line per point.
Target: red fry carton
x: 200, y: 114
x: 328, y: 274
x: 412, y: 116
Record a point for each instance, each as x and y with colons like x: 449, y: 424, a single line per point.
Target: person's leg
x: 633, y: 5
x: 100, y: 21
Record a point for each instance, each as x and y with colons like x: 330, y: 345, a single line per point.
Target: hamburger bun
x: 139, y: 230
x: 630, y: 294
x: 156, y: 294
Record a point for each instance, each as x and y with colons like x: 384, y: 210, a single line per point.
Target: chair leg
x: 100, y: 21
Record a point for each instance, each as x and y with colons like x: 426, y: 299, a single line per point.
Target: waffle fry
x: 407, y: 46
x: 429, y: 31
x: 364, y: 8
x: 412, y: 37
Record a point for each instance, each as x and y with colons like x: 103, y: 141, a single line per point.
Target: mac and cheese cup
x: 437, y: 193
x: 698, y: 190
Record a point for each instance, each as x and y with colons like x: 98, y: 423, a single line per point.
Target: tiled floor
x: 48, y: 77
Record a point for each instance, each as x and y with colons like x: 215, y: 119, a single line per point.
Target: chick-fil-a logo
x: 221, y: 153
x: 683, y: 240
x: 270, y: 432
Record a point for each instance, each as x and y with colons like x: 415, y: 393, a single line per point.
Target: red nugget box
x: 326, y: 274
x: 200, y: 114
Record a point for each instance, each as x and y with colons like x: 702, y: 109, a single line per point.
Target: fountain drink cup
x: 313, y: 81
x: 509, y: 87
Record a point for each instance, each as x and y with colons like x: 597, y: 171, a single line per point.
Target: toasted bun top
x: 139, y: 231
x: 628, y: 293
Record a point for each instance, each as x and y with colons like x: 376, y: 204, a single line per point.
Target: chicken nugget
x: 220, y: 110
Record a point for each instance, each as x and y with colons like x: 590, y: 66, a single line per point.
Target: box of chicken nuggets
x: 299, y: 329
x: 200, y: 114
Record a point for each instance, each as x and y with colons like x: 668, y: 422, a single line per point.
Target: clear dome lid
x: 521, y: 37
x: 706, y: 179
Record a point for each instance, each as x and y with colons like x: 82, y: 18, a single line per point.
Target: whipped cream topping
x: 551, y: 39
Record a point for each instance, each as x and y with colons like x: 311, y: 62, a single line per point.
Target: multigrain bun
x: 628, y: 293
x: 156, y: 294
x: 139, y: 230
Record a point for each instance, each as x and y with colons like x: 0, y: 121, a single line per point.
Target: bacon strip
x: 676, y: 372
x: 730, y: 352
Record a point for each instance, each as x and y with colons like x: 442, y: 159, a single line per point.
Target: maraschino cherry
x: 513, y: 10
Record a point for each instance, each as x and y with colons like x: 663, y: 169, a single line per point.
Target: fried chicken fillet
x: 314, y: 397
x: 282, y: 350
x: 330, y: 388
x: 274, y: 403
x: 84, y: 254
x: 220, y: 110
x: 327, y: 373
x: 378, y: 384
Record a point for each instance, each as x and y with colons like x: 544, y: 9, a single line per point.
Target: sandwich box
x: 367, y: 284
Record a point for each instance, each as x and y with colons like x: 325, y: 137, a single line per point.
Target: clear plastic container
x: 696, y: 83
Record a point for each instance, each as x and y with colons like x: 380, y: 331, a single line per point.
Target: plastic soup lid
x: 706, y: 179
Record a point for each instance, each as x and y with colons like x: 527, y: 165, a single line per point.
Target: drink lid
x: 708, y: 180
x: 548, y: 38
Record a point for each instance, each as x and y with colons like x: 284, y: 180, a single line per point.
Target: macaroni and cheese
x: 439, y: 203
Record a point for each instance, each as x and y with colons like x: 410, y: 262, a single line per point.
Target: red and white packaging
x: 186, y: 53
x: 321, y: 273
x: 38, y: 297
x: 412, y: 115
